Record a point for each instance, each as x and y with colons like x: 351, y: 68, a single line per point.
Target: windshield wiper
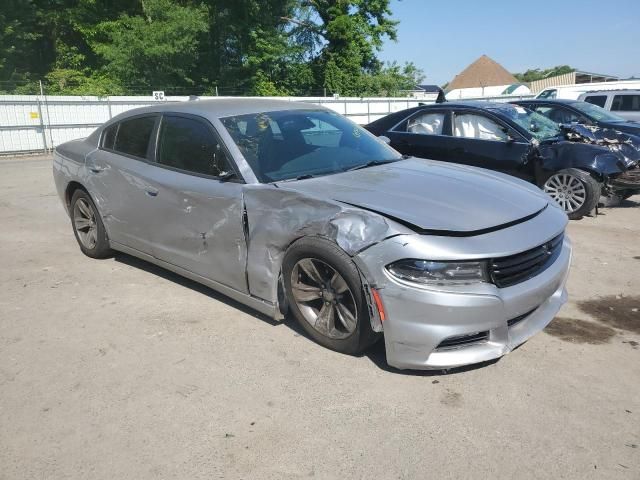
x: 372, y: 163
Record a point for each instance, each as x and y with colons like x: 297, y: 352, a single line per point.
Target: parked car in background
x: 573, y: 92
x: 575, y: 111
x: 625, y: 103
x: 572, y: 168
x: 283, y: 205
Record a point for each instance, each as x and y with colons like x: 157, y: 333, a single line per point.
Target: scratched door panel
x: 197, y: 225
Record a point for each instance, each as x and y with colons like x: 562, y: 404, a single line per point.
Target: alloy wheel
x: 84, y: 222
x: 324, y: 298
x: 568, y: 191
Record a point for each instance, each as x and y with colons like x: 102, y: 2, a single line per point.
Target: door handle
x: 96, y: 169
x: 152, y: 192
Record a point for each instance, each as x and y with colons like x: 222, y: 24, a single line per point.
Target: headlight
x: 427, y: 272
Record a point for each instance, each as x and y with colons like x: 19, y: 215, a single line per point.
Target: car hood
x: 432, y: 196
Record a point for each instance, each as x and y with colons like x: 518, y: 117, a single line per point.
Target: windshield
x: 597, y: 113
x: 291, y: 144
x: 538, y: 126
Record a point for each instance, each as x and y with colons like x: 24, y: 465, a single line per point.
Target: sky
x: 444, y: 37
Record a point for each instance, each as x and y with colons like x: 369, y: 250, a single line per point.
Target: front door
x: 481, y: 141
x: 198, y: 209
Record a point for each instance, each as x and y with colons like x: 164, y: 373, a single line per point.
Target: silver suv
x: 625, y: 103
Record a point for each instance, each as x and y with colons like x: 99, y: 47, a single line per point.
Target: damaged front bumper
x: 438, y: 327
x: 629, y: 180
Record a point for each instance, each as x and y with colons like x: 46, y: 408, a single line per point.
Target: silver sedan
x: 290, y: 207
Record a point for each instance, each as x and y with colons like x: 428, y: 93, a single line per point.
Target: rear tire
x: 576, y: 191
x: 325, y: 295
x: 88, y: 227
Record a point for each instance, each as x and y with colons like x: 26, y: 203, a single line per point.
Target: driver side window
x: 478, y: 127
x: 188, y: 144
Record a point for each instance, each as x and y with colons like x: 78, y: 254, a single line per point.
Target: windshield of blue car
x: 538, y: 126
x: 597, y: 113
x: 292, y: 144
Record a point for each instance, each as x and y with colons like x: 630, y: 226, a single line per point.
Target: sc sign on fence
x: 158, y: 95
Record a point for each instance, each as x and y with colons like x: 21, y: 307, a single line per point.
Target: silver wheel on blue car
x: 575, y: 191
x: 324, y: 292
x: 324, y: 298
x: 87, y: 226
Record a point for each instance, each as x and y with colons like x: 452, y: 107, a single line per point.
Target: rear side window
x: 189, y: 144
x: 132, y: 136
x: 626, y: 103
x: 426, y: 124
x: 599, y: 100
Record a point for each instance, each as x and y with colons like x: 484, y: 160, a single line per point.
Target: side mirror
x: 385, y: 139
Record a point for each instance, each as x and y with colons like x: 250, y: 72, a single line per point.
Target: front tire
x: 326, y: 296
x: 574, y: 190
x: 88, y: 227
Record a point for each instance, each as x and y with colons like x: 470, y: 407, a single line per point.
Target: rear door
x: 197, y: 212
x: 485, y: 141
x: 117, y: 173
x: 425, y: 134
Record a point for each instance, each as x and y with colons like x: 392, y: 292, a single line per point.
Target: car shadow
x: 376, y: 353
x: 628, y: 203
x: 192, y: 285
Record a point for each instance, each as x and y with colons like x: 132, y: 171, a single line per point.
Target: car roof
x: 222, y: 107
x: 563, y: 101
x: 481, y: 104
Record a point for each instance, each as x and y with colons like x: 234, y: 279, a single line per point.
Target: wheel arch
x: 72, y: 186
x: 374, y: 315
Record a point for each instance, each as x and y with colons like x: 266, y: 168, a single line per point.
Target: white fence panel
x: 32, y: 123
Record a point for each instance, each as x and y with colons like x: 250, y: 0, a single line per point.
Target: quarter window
x: 599, y: 100
x: 131, y: 137
x: 109, y: 136
x: 626, y: 103
x: 427, y: 124
x: 190, y: 145
x: 478, y: 127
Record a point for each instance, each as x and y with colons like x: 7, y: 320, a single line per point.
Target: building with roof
x: 572, y: 78
x: 484, y: 78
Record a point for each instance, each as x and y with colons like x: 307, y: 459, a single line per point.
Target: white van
x: 625, y: 103
x: 573, y: 92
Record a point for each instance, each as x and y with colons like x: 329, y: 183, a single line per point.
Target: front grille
x: 461, y: 340
x: 507, y: 271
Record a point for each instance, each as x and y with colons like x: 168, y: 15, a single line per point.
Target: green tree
x: 158, y: 48
x: 348, y: 33
x: 18, y: 37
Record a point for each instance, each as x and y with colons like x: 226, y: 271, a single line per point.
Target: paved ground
x: 115, y: 369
